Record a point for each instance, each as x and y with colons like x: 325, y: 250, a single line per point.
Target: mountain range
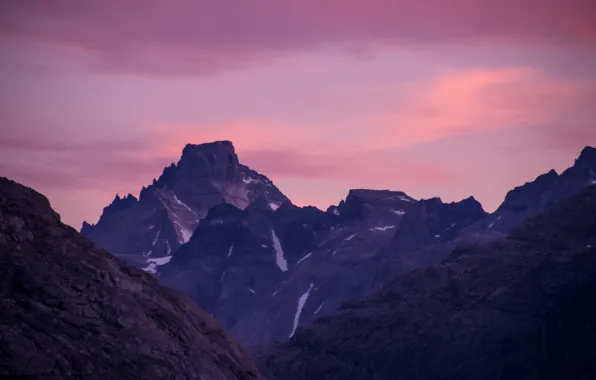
x: 381, y: 286
x: 521, y: 307
x: 227, y: 237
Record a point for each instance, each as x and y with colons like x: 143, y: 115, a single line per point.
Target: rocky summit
x: 70, y: 310
x: 148, y: 230
x: 517, y: 308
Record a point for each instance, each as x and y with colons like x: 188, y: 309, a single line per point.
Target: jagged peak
x: 86, y: 228
x: 117, y: 204
x: 587, y: 154
x: 127, y: 198
x: 550, y: 176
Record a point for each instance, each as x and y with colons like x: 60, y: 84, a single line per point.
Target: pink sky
x: 446, y: 98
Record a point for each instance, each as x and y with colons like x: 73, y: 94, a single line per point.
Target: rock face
x: 518, y: 308
x: 70, y: 310
x: 261, y: 272
x: 146, y: 231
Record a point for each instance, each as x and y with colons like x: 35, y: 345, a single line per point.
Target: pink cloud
x: 471, y: 101
x: 362, y: 166
x: 188, y: 36
x: 70, y: 165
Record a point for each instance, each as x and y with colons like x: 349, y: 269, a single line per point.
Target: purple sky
x: 446, y: 98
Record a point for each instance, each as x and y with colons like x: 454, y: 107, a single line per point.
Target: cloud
x: 556, y: 114
x: 201, y: 36
x: 366, y: 167
x: 71, y: 165
x: 472, y: 101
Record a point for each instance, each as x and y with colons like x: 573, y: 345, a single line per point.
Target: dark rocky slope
x: 261, y: 272
x: 70, y: 310
x: 518, y: 308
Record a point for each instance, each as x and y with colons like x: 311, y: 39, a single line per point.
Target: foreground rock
x: 519, y: 308
x: 70, y: 310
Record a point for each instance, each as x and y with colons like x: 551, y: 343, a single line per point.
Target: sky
x: 447, y: 98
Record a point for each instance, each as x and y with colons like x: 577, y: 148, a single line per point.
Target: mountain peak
x: 587, y: 154
x: 223, y: 146
x: 205, y: 157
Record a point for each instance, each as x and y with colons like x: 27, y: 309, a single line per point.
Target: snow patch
x: 156, y: 262
x: 156, y: 237
x: 334, y: 251
x: 168, y: 249
x: 437, y: 236
x: 181, y: 203
x: 491, y: 226
x: 251, y: 290
x: 301, y: 302
x: 185, y: 234
x: 264, y: 245
x: 304, y: 258
x: 275, y: 292
x: 250, y: 180
x: 499, y: 218
x: 274, y: 206
x: 335, y: 212
x: 350, y: 237
x: 151, y: 227
x: 384, y: 228
x: 279, y: 253
x: 588, y: 246
x: 230, y: 250
x: 222, y: 276
x: 405, y: 199
x: 398, y: 212
x: 319, y: 308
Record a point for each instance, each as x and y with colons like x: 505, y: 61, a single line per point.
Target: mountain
x: 146, y: 231
x: 260, y: 271
x: 537, y: 196
x: 263, y: 266
x: 516, y: 308
x: 70, y: 310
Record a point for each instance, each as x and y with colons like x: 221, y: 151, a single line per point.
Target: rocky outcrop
x: 70, y: 310
x: 146, y: 231
x: 517, y: 308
